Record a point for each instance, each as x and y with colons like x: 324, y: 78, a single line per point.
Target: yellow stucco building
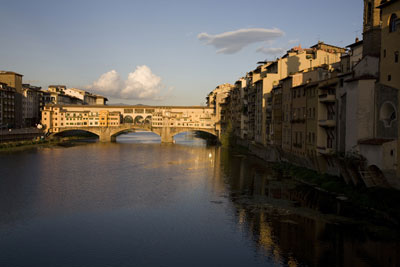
x: 390, y: 58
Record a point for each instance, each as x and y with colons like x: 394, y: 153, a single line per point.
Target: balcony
x: 327, y: 123
x: 324, y: 150
x: 327, y: 98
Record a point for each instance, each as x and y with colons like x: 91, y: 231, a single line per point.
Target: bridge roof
x: 129, y: 106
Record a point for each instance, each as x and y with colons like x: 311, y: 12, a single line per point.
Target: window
x: 392, y: 23
x: 387, y: 114
x: 389, y: 78
x: 384, y: 52
x: 396, y: 57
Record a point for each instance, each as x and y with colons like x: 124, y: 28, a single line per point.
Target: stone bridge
x: 108, y: 122
x: 109, y: 134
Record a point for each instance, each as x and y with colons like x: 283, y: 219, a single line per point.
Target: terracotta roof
x: 355, y: 44
x: 132, y: 106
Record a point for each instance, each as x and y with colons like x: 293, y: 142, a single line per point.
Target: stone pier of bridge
x: 105, y: 136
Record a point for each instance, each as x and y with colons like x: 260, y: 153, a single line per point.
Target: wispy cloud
x: 271, y: 51
x: 142, y: 83
x: 294, y: 41
x: 234, y: 41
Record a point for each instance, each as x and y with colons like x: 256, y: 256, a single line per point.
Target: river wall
x: 352, y: 171
x: 10, y: 135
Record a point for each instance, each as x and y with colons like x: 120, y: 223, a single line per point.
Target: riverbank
x: 375, y: 205
x: 28, y: 144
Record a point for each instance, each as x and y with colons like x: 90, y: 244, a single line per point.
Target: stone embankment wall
x: 353, y: 173
x: 7, y: 135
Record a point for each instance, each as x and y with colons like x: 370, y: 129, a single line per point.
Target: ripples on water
x: 141, y: 203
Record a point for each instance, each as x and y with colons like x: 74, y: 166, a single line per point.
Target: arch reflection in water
x: 188, y: 138
x: 144, y: 137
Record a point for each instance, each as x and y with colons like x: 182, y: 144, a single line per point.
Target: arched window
x: 388, y: 114
x: 128, y: 119
x: 138, y: 120
x: 392, y: 23
x: 147, y: 120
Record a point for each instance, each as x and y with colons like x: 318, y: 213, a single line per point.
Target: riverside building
x: 14, y: 80
x: 319, y: 106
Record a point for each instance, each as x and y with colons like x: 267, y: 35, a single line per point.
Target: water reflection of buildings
x: 294, y: 238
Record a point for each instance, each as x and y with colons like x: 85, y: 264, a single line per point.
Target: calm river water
x: 141, y: 203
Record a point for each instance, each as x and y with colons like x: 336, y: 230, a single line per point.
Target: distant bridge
x: 108, y: 122
x: 109, y: 134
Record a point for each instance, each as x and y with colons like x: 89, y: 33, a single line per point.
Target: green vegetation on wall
x: 227, y: 137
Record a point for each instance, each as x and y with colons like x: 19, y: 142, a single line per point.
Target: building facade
x: 7, y: 106
x: 31, y: 98
x: 14, y: 80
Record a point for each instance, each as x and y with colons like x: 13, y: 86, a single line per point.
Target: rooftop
x: 57, y: 86
x: 10, y: 72
x: 385, y: 3
x: 357, y: 43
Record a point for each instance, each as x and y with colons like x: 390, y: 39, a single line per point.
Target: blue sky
x: 150, y: 52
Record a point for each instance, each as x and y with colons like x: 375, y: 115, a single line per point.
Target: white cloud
x: 109, y: 83
x: 141, y: 84
x: 234, y: 41
x: 271, y: 50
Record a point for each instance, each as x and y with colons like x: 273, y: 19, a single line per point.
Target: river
x: 137, y: 202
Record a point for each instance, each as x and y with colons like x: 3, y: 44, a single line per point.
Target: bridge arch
x: 177, y: 131
x: 86, y: 129
x: 129, y: 128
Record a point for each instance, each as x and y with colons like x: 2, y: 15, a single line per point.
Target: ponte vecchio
x: 109, y: 121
